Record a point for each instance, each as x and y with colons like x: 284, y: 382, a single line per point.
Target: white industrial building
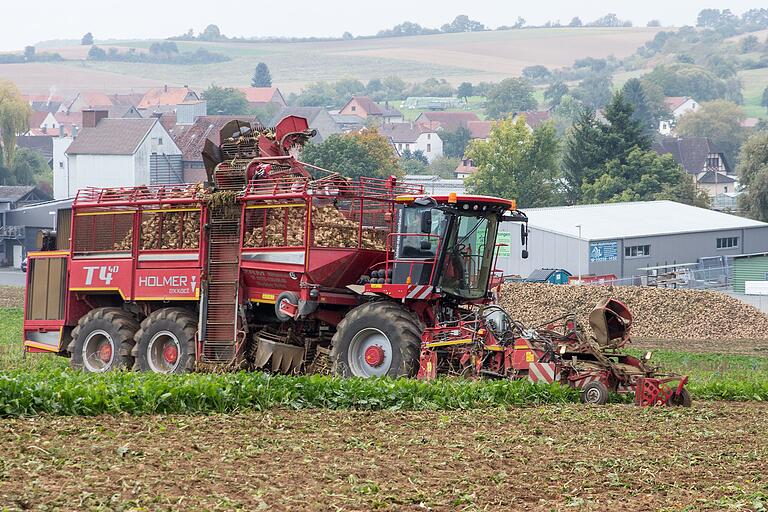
x: 620, y: 238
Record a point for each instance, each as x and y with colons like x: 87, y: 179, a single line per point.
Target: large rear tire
x: 166, y: 341
x: 102, y: 341
x: 377, y: 339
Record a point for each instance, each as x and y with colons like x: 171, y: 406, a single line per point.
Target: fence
x: 688, y: 278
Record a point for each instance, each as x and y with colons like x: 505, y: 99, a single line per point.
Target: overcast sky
x: 27, y: 22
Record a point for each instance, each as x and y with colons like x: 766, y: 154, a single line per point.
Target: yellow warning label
x: 268, y: 296
x: 529, y: 357
x: 375, y: 286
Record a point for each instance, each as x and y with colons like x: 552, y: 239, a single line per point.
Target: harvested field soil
x: 659, y: 313
x: 710, y: 457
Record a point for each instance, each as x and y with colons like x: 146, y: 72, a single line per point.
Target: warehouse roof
x: 632, y: 220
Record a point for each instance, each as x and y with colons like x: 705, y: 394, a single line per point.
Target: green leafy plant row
x: 64, y: 392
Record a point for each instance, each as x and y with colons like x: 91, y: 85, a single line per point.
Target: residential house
x: 42, y: 123
x: 317, y: 117
x: 448, y: 121
x: 13, y: 235
x: 533, y: 118
x: 43, y: 102
x: 260, y: 97
x: 702, y: 160
x: 129, y: 99
x: 165, y: 99
x: 348, y: 122
x: 22, y: 225
x: 365, y: 107
x: 87, y: 100
x: 678, y: 106
x: 190, y: 138
x: 119, y: 153
x: 413, y: 137
x: 480, y: 130
x: 465, y: 168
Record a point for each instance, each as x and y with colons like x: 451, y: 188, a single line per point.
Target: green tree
x: 554, y: 93
x: 509, y: 96
x: 754, y: 201
x: 444, y: 166
x: 575, y: 22
x: 261, y: 76
x: 517, y: 164
x: 536, y: 73
x: 464, y: 91
x: 764, y: 100
x: 753, y: 158
x: 623, y: 132
x: 225, y: 100
x: 749, y: 44
x: 582, y: 158
x: 719, y: 120
x: 642, y: 176
x: 634, y: 93
x: 30, y: 168
x: 354, y: 155
x: 455, y: 142
x: 595, y: 90
x: 87, y: 39
x: 688, y: 80
x: 14, y: 120
x: 211, y: 33
x: 753, y: 175
x: 96, y: 53
x: 29, y: 53
x: 412, y: 166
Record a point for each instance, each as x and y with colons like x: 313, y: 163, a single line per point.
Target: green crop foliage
x: 43, y: 384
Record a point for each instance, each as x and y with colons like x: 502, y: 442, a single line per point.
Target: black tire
x: 384, y: 324
x: 102, y: 341
x: 681, y: 400
x: 595, y: 393
x: 170, y: 329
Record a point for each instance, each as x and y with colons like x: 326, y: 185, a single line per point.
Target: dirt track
x: 710, y: 457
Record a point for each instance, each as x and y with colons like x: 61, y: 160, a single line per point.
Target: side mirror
x: 426, y: 221
x: 524, y: 254
x: 523, y: 234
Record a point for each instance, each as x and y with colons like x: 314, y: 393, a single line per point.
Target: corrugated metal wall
x: 749, y: 269
x: 165, y: 169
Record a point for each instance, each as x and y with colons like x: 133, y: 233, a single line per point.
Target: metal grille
x: 103, y: 232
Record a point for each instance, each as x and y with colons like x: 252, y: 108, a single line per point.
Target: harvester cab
x: 446, y: 246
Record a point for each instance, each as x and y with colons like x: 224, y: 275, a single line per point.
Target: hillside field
x: 474, y: 57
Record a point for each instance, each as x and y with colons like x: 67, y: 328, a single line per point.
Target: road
x: 12, y: 277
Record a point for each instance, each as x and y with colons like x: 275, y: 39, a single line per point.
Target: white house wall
x: 100, y: 171
x: 60, y: 167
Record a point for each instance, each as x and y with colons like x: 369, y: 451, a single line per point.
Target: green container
x: 749, y: 267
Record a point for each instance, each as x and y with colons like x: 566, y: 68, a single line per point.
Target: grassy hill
x: 475, y: 57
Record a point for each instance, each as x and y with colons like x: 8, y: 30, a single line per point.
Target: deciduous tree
x: 225, y: 100
x: 14, y: 119
x: 515, y: 163
x: 354, y: 155
x: 87, y: 39
x: 509, y: 96
x: 719, y: 120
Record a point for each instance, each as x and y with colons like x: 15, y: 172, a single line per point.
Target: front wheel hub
x: 374, y: 356
x: 170, y: 353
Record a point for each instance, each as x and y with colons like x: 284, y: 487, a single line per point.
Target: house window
x: 429, y: 136
x: 725, y: 189
x: 354, y: 108
x: 713, y: 161
x: 429, y: 148
x: 408, y: 147
x: 637, y: 251
x: 727, y: 242
x: 400, y: 146
x: 159, y: 141
x: 61, y: 165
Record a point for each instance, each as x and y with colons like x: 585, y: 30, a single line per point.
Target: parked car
x: 24, y: 265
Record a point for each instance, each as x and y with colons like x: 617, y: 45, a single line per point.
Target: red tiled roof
x: 534, y: 118
x: 92, y: 99
x: 480, y: 129
x: 674, y: 102
x: 403, y: 132
x: 448, y: 121
x: 165, y: 96
x: 36, y: 119
x: 262, y: 94
x: 130, y: 100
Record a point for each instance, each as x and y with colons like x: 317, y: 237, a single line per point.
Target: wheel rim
x: 163, y: 352
x: 593, y: 395
x: 370, y: 353
x: 98, y: 351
